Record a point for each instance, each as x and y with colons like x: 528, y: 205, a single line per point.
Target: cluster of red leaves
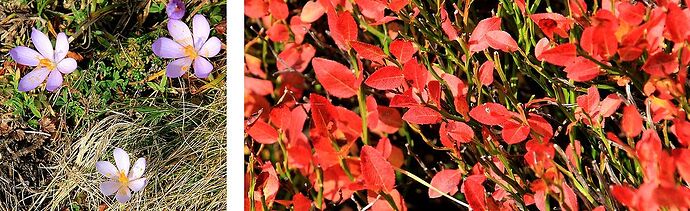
x: 321, y: 127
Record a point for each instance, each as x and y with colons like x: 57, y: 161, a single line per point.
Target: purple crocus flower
x: 122, y: 179
x: 50, y: 63
x: 188, y: 49
x: 175, y: 9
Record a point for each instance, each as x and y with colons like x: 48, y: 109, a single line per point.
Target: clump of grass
x: 185, y: 160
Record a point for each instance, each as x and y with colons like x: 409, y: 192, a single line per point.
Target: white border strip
x: 235, y: 107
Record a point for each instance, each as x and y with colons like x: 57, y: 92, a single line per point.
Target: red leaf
x: 486, y: 73
x: 296, y: 57
x: 267, y: 182
x: 404, y: 100
x: 402, y: 50
x: 323, y: 114
x: 278, y: 32
x: 368, y: 51
x: 416, y: 73
x: 569, y: 197
x: 337, y: 79
x: 446, y: 181
x: 540, y: 126
x: 263, y: 133
x: 459, y: 131
x: 279, y: 9
x: 258, y: 86
x: 682, y: 163
x: 490, y: 114
x: 434, y: 88
x: 649, y: 147
x: 609, y: 105
x: 378, y: 173
x: 623, y: 194
x: 631, y: 124
x: 551, y: 23
x: 311, y: 12
x: 501, y: 40
x: 397, y: 5
x: 578, y: 7
x: 384, y: 146
x: 372, y: 9
x: 300, y: 202
x: 255, y: 8
x: 633, y: 14
x: 382, y: 205
x: 386, y: 78
x: 677, y: 24
x: 343, y: 29
x: 422, y: 115
x: 474, y: 191
x: 281, y: 116
x: 514, y: 132
x: 582, y: 69
x: 477, y: 40
x: 559, y: 55
x: 324, y: 154
x: 447, y: 26
x: 390, y: 120
x: 661, y: 64
x: 299, y: 28
x: 540, y: 47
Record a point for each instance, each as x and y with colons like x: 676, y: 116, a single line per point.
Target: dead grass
x: 186, y: 172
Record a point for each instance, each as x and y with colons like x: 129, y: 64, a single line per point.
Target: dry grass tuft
x: 185, y: 171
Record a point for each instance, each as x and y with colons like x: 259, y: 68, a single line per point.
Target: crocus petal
x: 137, y: 184
x: 175, y: 9
x: 109, y: 187
x: 137, y: 169
x: 178, y: 67
x: 202, y: 67
x: 180, y: 32
x: 166, y: 48
x: 33, y: 79
x: 210, y: 48
x: 201, y: 30
x: 54, y: 81
x: 42, y: 43
x: 25, y: 56
x: 121, y: 160
x: 107, y: 169
x: 67, y: 65
x: 61, y: 46
x: 123, y: 194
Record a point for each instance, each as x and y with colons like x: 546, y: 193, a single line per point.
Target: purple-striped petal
x: 166, y: 48
x: 178, y: 67
x: 61, y: 46
x: 26, y: 56
x: 202, y: 67
x: 33, y: 79
x: 123, y: 194
x: 210, y: 48
x: 201, y: 30
x: 107, y: 169
x: 137, y: 185
x: 54, y: 81
x: 180, y: 32
x: 109, y: 187
x: 137, y: 169
x: 42, y: 43
x: 121, y: 160
x: 67, y: 65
